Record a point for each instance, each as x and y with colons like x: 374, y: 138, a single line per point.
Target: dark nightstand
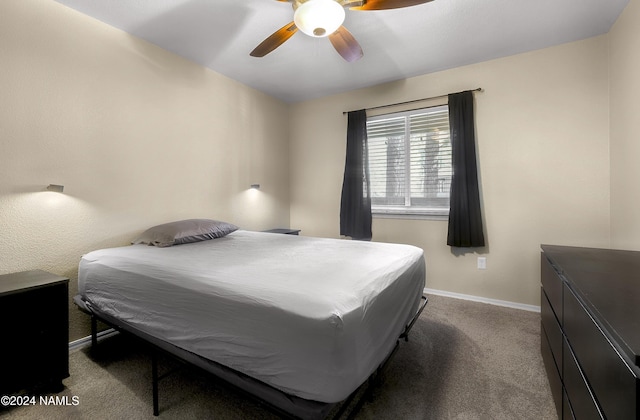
x: 285, y: 231
x: 34, y: 322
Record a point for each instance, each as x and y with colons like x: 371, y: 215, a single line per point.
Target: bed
x: 300, y: 322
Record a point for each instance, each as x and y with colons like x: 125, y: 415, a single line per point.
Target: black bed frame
x: 285, y: 405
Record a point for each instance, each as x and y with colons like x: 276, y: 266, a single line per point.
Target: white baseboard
x: 86, y: 341
x: 515, y: 305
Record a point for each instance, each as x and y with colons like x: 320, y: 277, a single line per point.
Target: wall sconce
x: 255, y: 186
x: 55, y: 188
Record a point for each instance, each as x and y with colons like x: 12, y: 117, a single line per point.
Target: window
x: 410, y: 162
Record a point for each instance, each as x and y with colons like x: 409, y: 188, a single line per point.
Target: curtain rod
x: 415, y: 100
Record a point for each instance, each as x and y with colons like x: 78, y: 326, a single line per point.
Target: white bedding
x: 312, y: 317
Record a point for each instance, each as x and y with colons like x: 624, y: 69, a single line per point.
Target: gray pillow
x: 184, y: 232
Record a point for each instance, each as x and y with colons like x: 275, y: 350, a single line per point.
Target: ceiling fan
x: 324, y: 18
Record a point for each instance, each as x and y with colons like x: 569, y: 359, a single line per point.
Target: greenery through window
x: 410, y: 162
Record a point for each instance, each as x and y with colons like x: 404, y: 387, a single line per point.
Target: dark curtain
x: 355, y: 206
x: 465, y: 219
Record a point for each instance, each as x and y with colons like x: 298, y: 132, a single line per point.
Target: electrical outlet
x: 482, y: 263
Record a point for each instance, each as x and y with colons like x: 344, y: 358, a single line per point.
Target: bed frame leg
x: 94, y: 332
x: 154, y: 375
x: 405, y: 334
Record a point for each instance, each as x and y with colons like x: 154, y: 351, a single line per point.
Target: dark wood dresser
x: 34, y: 316
x: 590, y: 335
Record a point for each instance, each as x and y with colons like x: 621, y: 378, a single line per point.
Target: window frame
x: 407, y: 211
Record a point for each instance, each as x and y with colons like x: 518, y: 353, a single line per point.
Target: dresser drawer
x: 552, y: 329
x: 567, y: 412
x: 583, y: 405
x: 553, y: 374
x: 613, y: 383
x: 552, y: 285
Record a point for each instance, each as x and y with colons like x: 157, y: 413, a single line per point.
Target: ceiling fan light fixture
x: 319, y: 18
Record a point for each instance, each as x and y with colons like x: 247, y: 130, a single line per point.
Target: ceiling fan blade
x: 346, y: 44
x: 275, y: 40
x: 387, y: 4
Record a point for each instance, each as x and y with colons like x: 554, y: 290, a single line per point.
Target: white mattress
x: 312, y: 317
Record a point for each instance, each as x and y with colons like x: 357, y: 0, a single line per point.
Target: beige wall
x: 139, y: 136
x: 625, y: 138
x: 542, y: 136
x: 136, y: 135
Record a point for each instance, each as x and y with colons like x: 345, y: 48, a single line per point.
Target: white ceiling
x: 397, y: 44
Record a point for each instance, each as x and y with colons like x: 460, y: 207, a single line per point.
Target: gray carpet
x: 464, y: 360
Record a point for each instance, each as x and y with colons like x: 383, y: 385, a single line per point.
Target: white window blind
x: 410, y: 162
